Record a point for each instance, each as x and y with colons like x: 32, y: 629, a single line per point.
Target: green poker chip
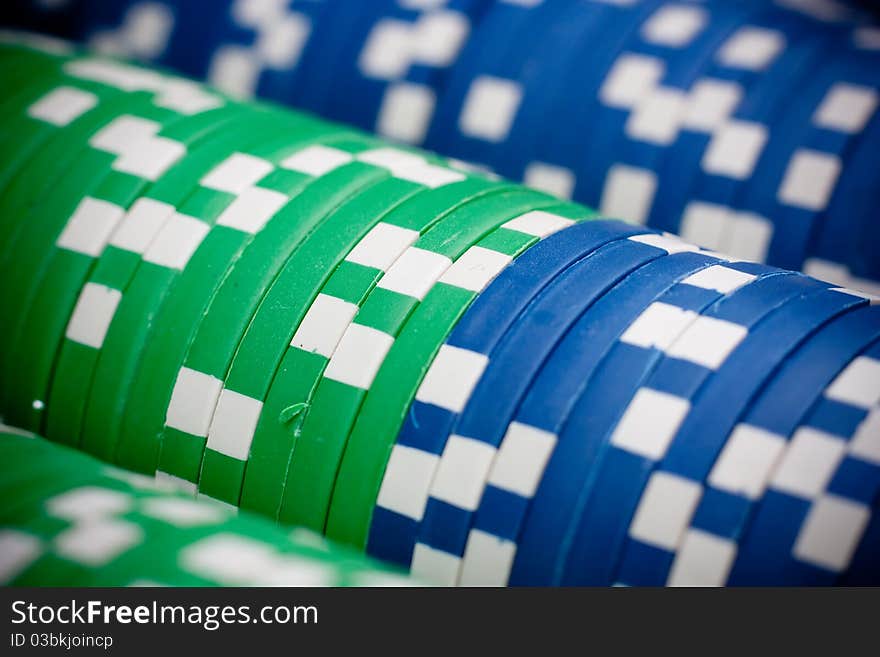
x: 110, y: 276
x: 381, y: 413
x: 177, y: 312
x: 345, y: 383
x: 94, y: 525
x: 341, y: 296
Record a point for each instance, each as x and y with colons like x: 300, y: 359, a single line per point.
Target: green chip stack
x: 211, y: 291
x: 71, y: 520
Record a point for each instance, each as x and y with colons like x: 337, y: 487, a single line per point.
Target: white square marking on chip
x: 665, y: 510
x: 91, y: 318
x: 550, y: 178
x: 382, y: 246
x: 177, y: 241
x: 18, y: 551
x: 438, y: 36
x: 487, y: 560
x: 462, y: 472
x: 193, y: 401
x: 406, y: 481
x: 538, y: 223
x: 282, y: 44
x: 387, y: 53
x: 183, y: 512
x: 150, y: 158
x: 708, y: 342
x: 415, y: 272
x: 705, y: 224
x: 521, y: 458
x: 124, y: 133
x: 734, y: 149
x: 140, y: 225
x: 649, y: 423
x: 667, y: 242
x: 324, y: 324
x: 434, y: 566
x: 751, y: 48
x: 98, y: 542
x: 475, y: 268
x: 170, y: 482
x: 252, y: 210
x: 451, y: 378
x: 710, y: 104
x: 809, y: 463
x: 235, y: 70
x: 628, y: 193
x: 489, y: 109
x: 88, y: 502
x: 406, y: 111
x: 674, y: 25
x: 237, y: 173
x: 149, y: 28
x: 748, y: 237
x: 831, y: 532
x: 234, y: 423
x: 429, y: 175
x: 186, y: 97
x: 702, y: 560
x: 809, y: 179
x: 747, y: 460
x: 865, y: 443
x: 858, y: 384
x: 90, y: 226
x: 719, y: 278
x: 359, y: 356
x: 62, y: 105
x: 846, y: 108
x: 656, y: 118
x: 658, y: 326
x: 393, y: 159
x: 630, y: 79
x: 228, y: 558
x: 316, y: 160
x: 866, y: 38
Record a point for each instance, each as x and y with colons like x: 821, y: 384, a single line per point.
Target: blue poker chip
x: 483, y: 93
x: 849, y: 232
x: 309, y: 84
x: 799, y: 167
x: 581, y: 127
x: 736, y: 483
x: 259, y: 48
x: 395, y: 64
x: 759, y: 87
x: 617, y: 277
x: 552, y: 506
x: 645, y: 98
x: 789, y: 539
x: 700, y: 436
x: 427, y: 425
x: 621, y: 372
x: 169, y: 33
x: 690, y: 280
x: 557, y: 33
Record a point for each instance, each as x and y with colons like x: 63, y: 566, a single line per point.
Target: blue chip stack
x: 747, y: 127
x: 618, y: 407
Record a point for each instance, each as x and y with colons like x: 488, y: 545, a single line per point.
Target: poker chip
x: 89, y: 524
x: 736, y: 125
x: 470, y: 380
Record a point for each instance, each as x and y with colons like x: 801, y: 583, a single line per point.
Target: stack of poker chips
x: 749, y: 127
x: 471, y: 379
